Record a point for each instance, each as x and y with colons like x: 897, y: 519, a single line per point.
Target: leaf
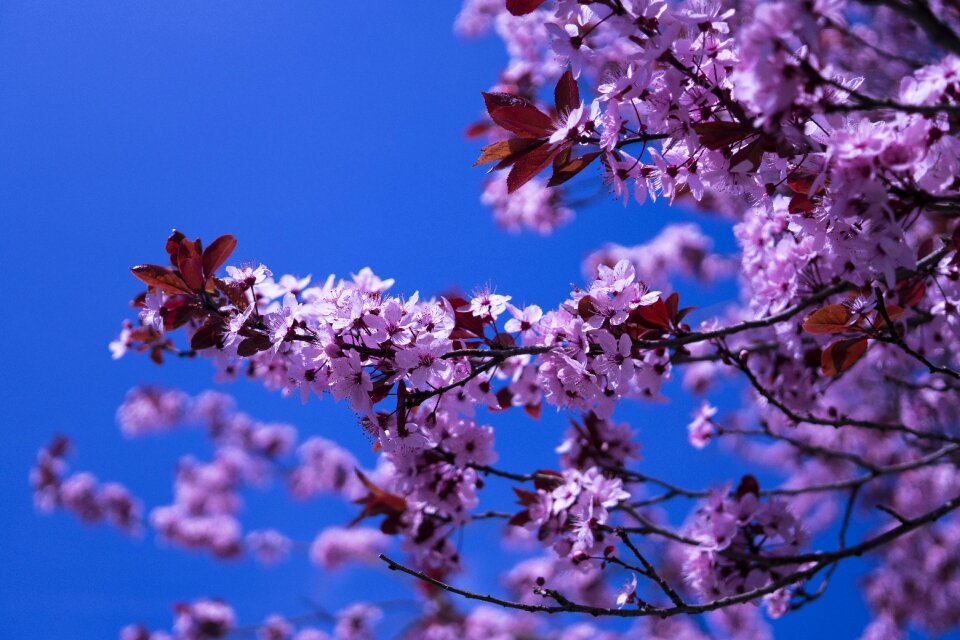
x: 841, y: 355
x: 523, y: 7
x: 500, y: 99
x: 749, y: 155
x: 208, y: 336
x: 250, y: 346
x: 893, y: 310
x: 748, y: 484
x: 566, y: 95
x: 161, y: 278
x: 505, y: 150
x: 800, y: 203
x: 719, y: 134
x: 524, y: 120
x: 547, y: 479
x: 911, y: 293
x: 217, y: 253
x: 529, y: 165
x: 572, y: 168
x: 379, y: 502
x: 173, y: 245
x: 234, y: 292
x: 190, y: 265
x: 830, y: 319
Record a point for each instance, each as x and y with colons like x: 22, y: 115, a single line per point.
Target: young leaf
x: 217, y: 253
x: 529, y: 165
x: 717, y: 135
x: 161, y: 278
x: 572, y: 168
x: 250, y: 346
x: 506, y: 149
x: 523, y: 7
x: 566, y: 95
x: 841, y: 355
x: 524, y: 120
x: 833, y: 318
x: 190, y: 265
x: 499, y: 99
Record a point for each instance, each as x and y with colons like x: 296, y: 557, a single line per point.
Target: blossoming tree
x: 826, y: 132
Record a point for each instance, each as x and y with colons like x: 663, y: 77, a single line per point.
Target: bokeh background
x: 326, y: 137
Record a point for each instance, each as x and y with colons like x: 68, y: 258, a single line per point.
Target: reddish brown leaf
x: 547, y: 479
x: 566, y: 95
x: 911, y: 293
x: 520, y: 519
x: 190, y: 265
x: 893, y: 310
x: 653, y: 316
x: 234, y: 292
x: 529, y: 165
x: 524, y: 120
x: 498, y: 99
x: 748, y: 484
x: 476, y: 130
x: 504, y: 398
x: 841, y: 355
x: 801, y: 183
x: 525, y: 498
x: 717, y: 135
x: 161, y: 278
x: 506, y: 150
x: 830, y: 319
x: 800, y: 203
x: 178, y: 312
x: 572, y: 168
x: 749, y: 156
x: 250, y: 346
x: 208, y: 336
x: 379, y: 502
x: 217, y: 253
x: 533, y: 410
x: 523, y: 7
x: 470, y: 325
x: 173, y: 245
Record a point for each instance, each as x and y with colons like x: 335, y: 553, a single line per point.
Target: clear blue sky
x: 326, y: 137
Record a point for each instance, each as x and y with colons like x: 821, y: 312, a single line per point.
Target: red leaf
x: 217, y: 253
x: 800, y: 203
x: 506, y: 150
x: 173, y: 245
x: 207, y: 336
x: 161, y: 278
x: 566, y: 95
x: 572, y: 168
x: 842, y: 354
x: 830, y: 319
x: 533, y: 410
x: 547, y: 479
x: 178, y: 312
x: 464, y: 319
x: 250, y: 346
x: 524, y: 120
x: 529, y: 165
x: 654, y: 316
x: 498, y: 99
x: 911, y: 293
x: 748, y: 484
x: 523, y: 7
x: 717, y: 135
x: 750, y: 154
x: 190, y: 265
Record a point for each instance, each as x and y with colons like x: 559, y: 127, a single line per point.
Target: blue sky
x: 325, y: 140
